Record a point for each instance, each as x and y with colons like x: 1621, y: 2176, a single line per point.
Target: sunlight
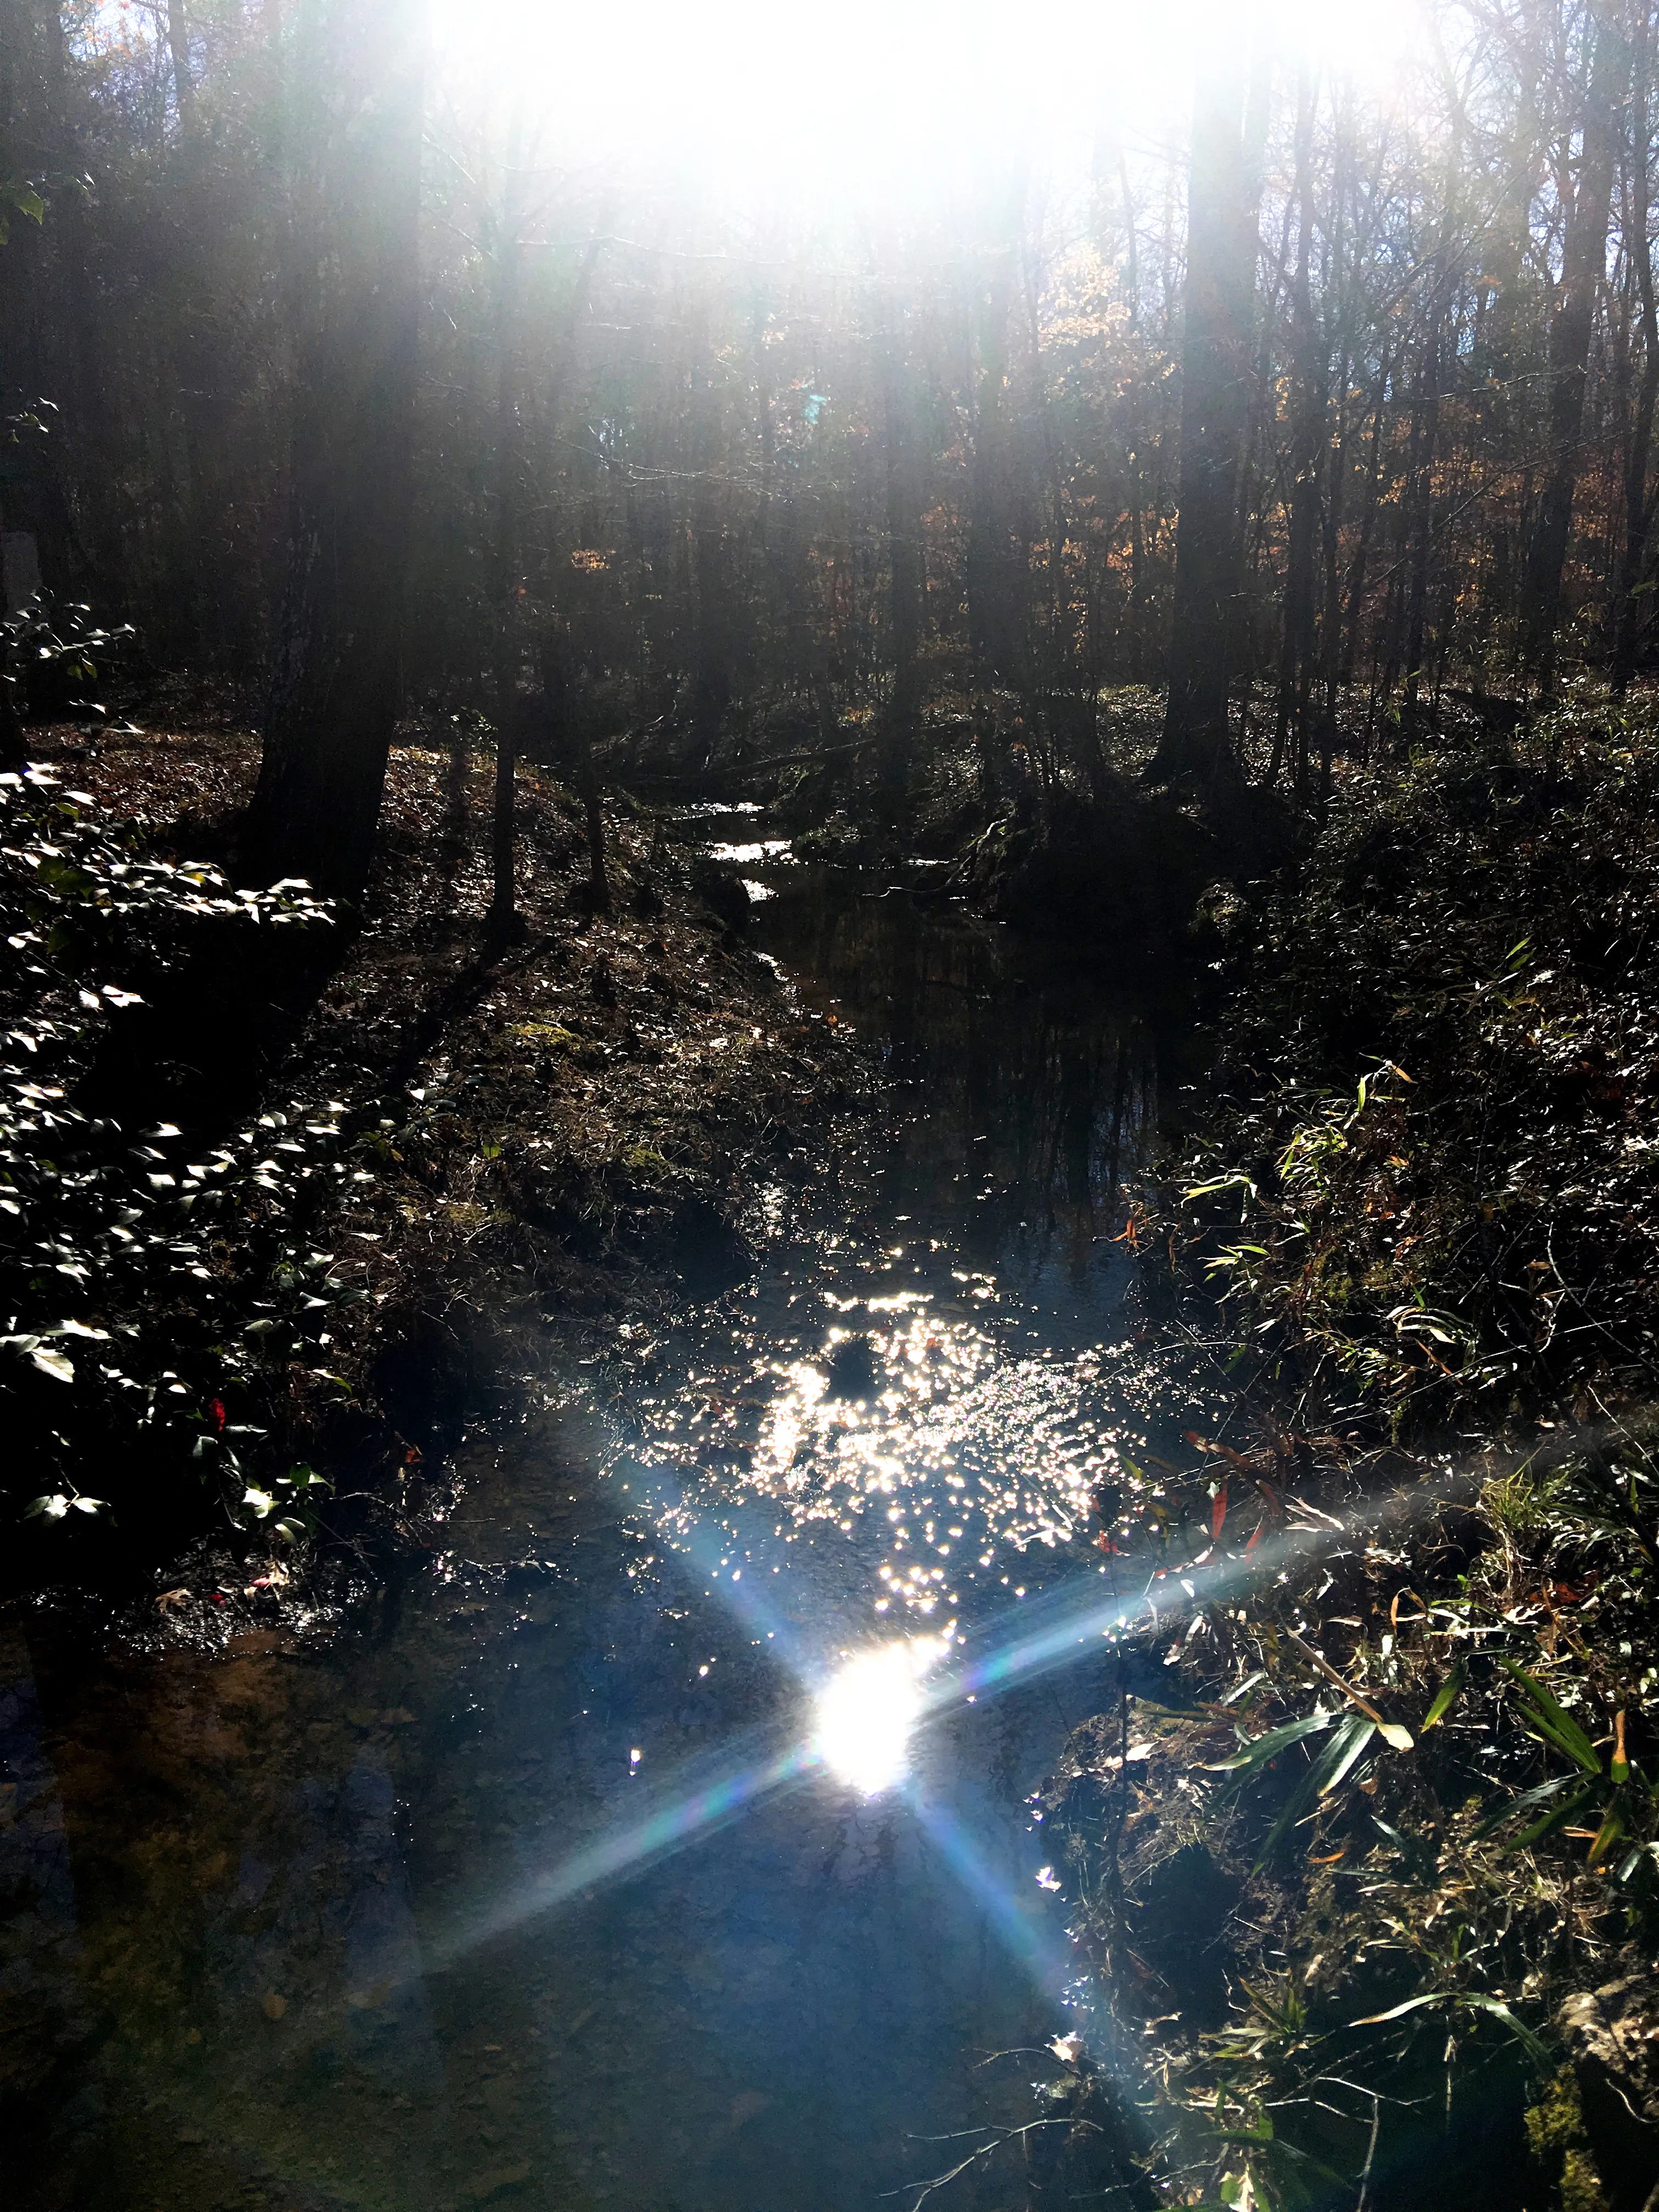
x: 887, y: 107
x: 674, y: 1823
x: 1366, y: 41
x: 866, y: 1712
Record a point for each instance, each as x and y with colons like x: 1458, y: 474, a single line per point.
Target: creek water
x: 598, y: 1863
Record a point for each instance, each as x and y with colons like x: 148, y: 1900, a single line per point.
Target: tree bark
x: 1359, y: 560
x: 1638, y: 514
x: 335, y: 700
x: 906, y: 582
x: 1584, y: 264
x: 509, y: 463
x: 1300, y: 614
x: 996, y: 628
x: 1222, y: 247
x: 1419, y: 512
x: 183, y: 85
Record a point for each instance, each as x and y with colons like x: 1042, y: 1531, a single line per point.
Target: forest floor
x: 290, y: 1203
x: 1376, y: 1889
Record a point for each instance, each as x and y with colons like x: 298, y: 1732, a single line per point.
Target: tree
x: 1298, y: 637
x: 509, y: 465
x: 1638, y: 254
x: 179, y: 44
x: 335, y: 698
x: 905, y: 579
x: 1229, y: 121
x: 1583, y: 265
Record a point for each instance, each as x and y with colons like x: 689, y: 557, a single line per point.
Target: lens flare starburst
x: 866, y: 1712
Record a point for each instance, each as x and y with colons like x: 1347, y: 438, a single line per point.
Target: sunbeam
x: 1025, y: 1934
x: 628, y: 1850
x: 866, y: 1715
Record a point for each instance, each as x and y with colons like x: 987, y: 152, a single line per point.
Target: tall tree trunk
x: 1583, y: 263
x: 95, y: 542
x: 179, y: 43
x: 1360, y: 558
x: 1300, y: 616
x: 1420, y: 511
x: 996, y: 630
x: 1510, y: 332
x: 1638, y: 513
x: 1058, y: 662
x: 1132, y: 244
x: 335, y: 699
x: 1336, y: 484
x: 906, y: 582
x: 1222, y: 246
x: 1418, y: 516
x: 510, y: 464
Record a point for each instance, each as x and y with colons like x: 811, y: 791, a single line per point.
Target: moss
x: 1556, y: 2138
x: 642, y: 1160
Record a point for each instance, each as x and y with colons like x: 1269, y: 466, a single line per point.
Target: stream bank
x: 308, y: 1180
x: 1380, y: 1905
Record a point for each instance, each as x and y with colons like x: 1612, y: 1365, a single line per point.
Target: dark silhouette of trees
x: 1218, y: 344
x: 1586, y: 194
x: 335, y: 696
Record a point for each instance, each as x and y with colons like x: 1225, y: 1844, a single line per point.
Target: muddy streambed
x: 562, y: 1878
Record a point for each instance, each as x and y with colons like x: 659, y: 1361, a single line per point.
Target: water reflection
x: 936, y: 1389
x: 1034, y: 1086
x: 866, y: 1712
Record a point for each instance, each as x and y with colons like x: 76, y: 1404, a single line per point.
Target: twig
x: 926, y: 2188
x: 1329, y: 1672
x: 1371, y: 2151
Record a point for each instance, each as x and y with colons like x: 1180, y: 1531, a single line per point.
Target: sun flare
x: 866, y: 1715
x: 888, y: 107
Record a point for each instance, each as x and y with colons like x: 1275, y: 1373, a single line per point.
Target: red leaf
x: 1218, y: 1511
x: 217, y: 1414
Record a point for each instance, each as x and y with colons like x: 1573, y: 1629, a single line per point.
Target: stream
x: 666, y: 1842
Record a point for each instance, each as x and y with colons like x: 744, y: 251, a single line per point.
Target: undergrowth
x: 1427, y: 1174
x: 271, y: 1187
x: 117, y: 1290
x: 1399, y: 1814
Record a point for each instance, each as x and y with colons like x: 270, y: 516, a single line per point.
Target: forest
x: 829, y: 1226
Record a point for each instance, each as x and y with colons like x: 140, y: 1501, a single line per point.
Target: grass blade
x: 1550, y: 1718
x: 1257, y: 1752
x: 1444, y: 1697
